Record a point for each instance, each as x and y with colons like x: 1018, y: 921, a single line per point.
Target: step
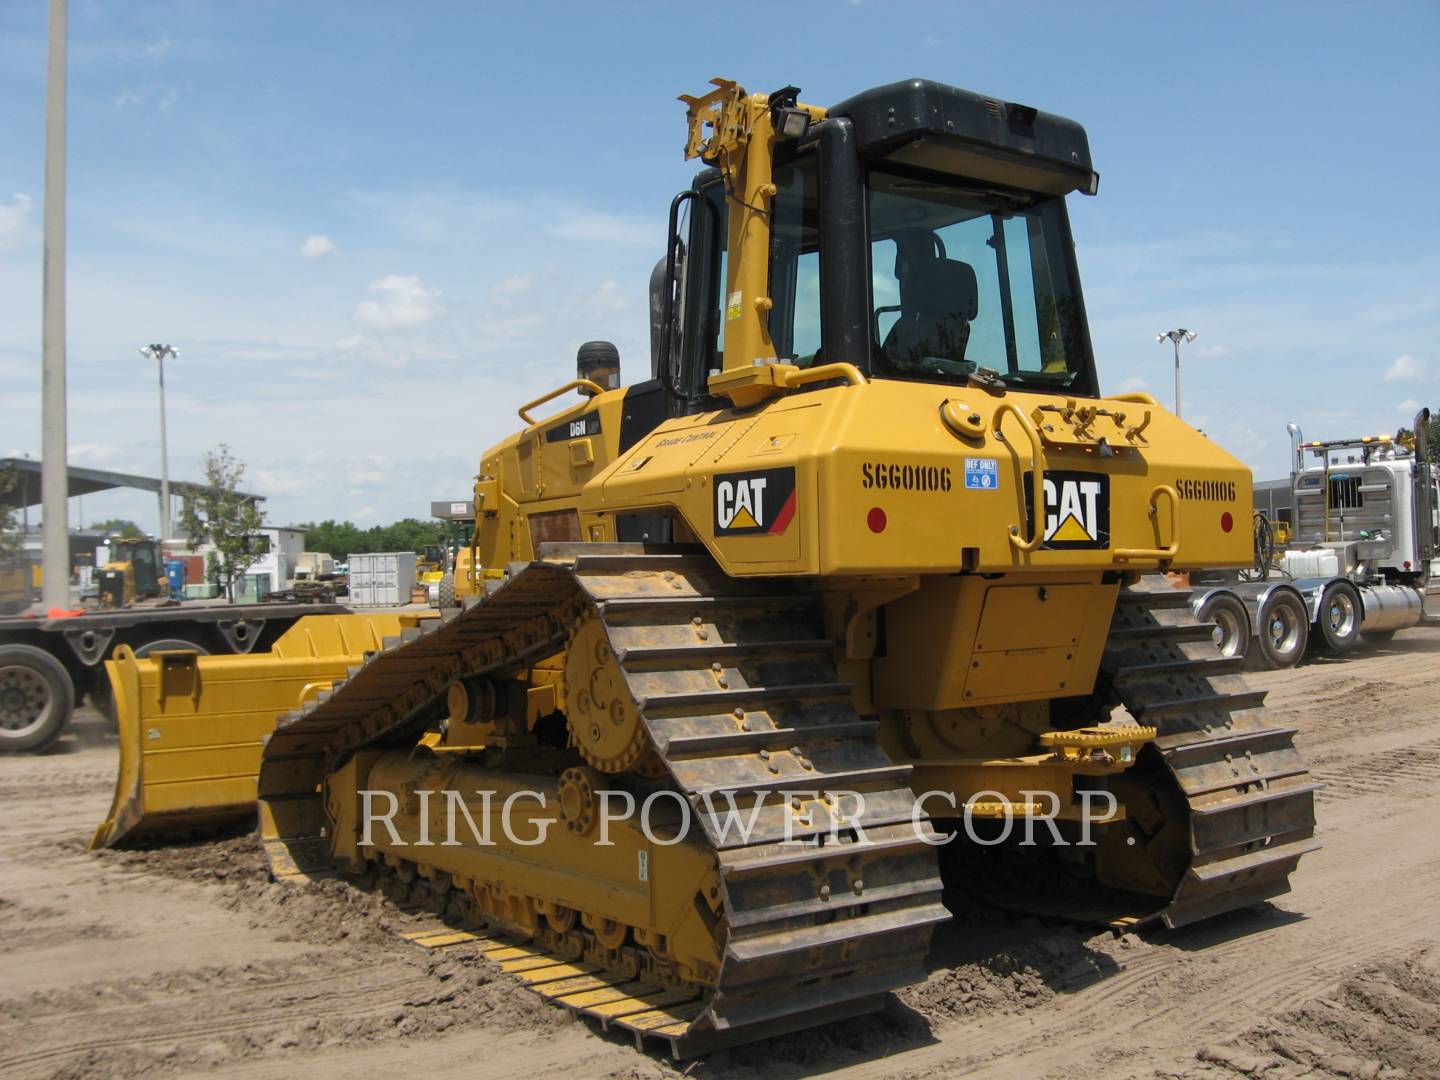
x: 1203, y: 666
x: 1245, y: 699
x: 744, y: 695
x: 702, y: 654
x: 684, y: 747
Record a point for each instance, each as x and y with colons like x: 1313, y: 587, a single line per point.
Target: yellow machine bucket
x: 192, y: 727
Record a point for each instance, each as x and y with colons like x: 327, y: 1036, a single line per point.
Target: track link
x: 828, y: 903
x: 1249, y: 796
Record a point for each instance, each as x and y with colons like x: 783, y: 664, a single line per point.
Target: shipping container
x: 381, y: 579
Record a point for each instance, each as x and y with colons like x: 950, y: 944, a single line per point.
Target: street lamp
x: 158, y: 354
x: 1175, y: 337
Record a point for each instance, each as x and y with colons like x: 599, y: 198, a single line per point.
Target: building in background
x: 279, y: 548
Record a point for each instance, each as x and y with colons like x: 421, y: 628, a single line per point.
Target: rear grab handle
x: 1161, y: 554
x: 1037, y: 476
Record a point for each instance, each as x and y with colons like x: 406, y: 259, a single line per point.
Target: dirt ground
x: 187, y: 960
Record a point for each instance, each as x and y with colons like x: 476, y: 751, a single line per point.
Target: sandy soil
x: 177, y: 961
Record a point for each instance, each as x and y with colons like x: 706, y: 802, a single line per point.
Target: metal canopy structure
x: 453, y: 511
x: 81, y: 481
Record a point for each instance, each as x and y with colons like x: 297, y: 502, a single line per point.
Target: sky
x: 373, y: 230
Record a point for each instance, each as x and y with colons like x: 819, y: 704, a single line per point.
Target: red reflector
x: 876, y: 520
x: 1226, y: 521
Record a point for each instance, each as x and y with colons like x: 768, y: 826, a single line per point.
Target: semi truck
x: 1358, y: 563
x: 48, y: 664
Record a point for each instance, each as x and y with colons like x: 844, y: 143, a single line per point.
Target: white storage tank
x: 382, y: 579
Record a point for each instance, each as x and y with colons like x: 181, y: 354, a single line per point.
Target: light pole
x: 158, y: 354
x: 1175, y: 337
x: 54, y: 471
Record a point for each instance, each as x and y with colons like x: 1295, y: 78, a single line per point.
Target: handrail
x: 1037, y: 476
x: 573, y: 384
x: 312, y: 687
x: 824, y: 372
x: 1160, y: 554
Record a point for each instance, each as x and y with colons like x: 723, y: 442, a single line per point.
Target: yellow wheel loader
x: 864, y: 585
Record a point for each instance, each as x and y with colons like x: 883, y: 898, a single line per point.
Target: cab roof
x: 932, y: 126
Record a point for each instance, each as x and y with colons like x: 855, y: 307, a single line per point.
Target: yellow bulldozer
x: 861, y: 590
x: 134, y: 571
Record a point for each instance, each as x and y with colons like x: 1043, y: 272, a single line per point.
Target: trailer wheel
x: 36, y: 698
x: 1232, y: 624
x: 1340, y: 617
x: 446, y: 591
x: 1284, y: 630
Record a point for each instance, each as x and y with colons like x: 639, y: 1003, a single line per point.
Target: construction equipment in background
x: 868, y: 561
x: 134, y: 571
x: 1355, y: 564
x: 430, y: 559
x: 314, y: 566
x: 16, y: 593
x: 458, y: 580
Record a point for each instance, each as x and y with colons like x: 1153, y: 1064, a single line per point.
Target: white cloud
x: 97, y: 454
x: 608, y: 299
x: 163, y: 97
x: 1131, y: 385
x: 1210, y: 351
x: 279, y: 482
x: 15, y: 227
x: 317, y: 247
x: 602, y: 228
x: 401, y: 303
x: 158, y: 48
x: 513, y: 286
x: 1404, y: 368
x: 931, y: 41
x: 1408, y: 408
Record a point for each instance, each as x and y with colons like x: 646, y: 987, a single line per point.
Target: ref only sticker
x: 982, y: 474
x: 758, y: 502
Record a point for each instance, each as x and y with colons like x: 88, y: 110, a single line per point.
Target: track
x: 1250, y: 797
x: 737, y: 688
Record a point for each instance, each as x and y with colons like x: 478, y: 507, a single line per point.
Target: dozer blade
x: 192, y: 727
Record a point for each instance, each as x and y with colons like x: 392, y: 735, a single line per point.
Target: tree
x: 1407, y: 436
x: 127, y: 529
x: 337, y: 539
x: 342, y: 539
x: 11, y: 542
x: 224, y: 518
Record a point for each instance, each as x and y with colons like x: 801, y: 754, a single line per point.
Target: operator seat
x: 939, y: 298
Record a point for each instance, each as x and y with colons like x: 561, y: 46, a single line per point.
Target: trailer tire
x: 1339, y: 619
x: 37, y: 697
x: 1284, y: 630
x: 1232, y: 624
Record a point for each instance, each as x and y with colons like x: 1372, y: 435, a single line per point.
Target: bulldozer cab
x: 968, y: 250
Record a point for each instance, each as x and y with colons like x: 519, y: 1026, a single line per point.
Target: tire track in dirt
x: 1379, y: 1021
